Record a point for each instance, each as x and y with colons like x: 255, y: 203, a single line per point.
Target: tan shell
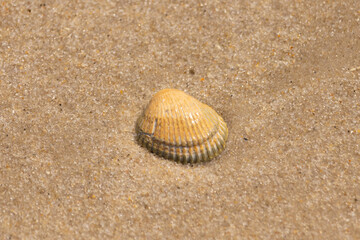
x: 176, y: 126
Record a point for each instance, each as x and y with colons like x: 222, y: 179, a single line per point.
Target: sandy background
x: 75, y: 75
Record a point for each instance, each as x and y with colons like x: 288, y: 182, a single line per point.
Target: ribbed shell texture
x: 176, y: 126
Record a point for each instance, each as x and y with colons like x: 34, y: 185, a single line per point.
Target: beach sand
x: 75, y: 76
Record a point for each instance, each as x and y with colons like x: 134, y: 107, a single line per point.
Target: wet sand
x: 75, y: 75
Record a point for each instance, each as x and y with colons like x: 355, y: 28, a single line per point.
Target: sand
x: 75, y: 76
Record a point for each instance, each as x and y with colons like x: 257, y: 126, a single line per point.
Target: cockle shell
x: 176, y: 126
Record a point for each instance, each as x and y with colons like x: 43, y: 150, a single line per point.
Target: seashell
x: 176, y: 126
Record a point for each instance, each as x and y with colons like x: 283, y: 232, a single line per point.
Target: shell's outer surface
x: 176, y: 126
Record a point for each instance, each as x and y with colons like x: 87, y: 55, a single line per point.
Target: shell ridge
x: 182, y: 142
x: 169, y: 141
x: 188, y: 139
x: 205, y: 127
x: 209, y: 149
x: 204, y: 137
x: 189, y: 144
x: 175, y: 129
x: 193, y: 127
x: 167, y: 137
x: 213, y: 130
x: 162, y: 130
x: 178, y: 126
x: 212, y: 115
x: 177, y: 150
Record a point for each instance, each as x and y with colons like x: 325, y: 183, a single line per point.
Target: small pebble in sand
x: 176, y: 126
